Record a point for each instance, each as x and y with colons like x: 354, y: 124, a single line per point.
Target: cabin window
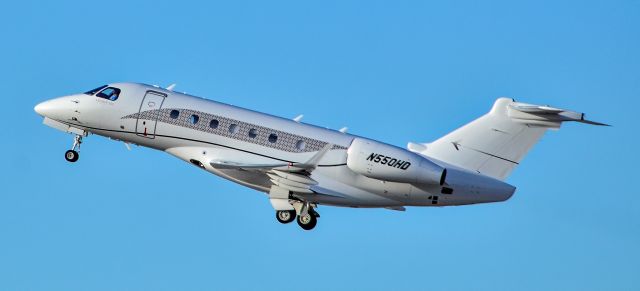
x: 194, y: 119
x: 214, y: 124
x: 233, y: 128
x: 273, y: 138
x: 109, y: 93
x: 300, y: 145
x: 93, y: 92
x: 253, y: 133
x: 174, y: 114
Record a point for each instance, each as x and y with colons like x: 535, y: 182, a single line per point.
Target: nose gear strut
x: 72, y: 155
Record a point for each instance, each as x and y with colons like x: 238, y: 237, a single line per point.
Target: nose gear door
x: 148, y: 115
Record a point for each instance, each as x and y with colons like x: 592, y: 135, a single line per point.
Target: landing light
x: 197, y: 163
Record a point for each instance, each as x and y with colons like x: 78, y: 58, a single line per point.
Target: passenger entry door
x: 148, y: 115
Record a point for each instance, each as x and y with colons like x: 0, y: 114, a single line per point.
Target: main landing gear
x: 307, y: 219
x: 285, y: 216
x: 72, y: 155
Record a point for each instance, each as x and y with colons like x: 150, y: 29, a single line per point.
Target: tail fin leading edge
x: 495, y: 143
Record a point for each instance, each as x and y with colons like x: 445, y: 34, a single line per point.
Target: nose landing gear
x: 72, y: 155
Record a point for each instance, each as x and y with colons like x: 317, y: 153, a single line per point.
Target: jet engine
x: 389, y: 163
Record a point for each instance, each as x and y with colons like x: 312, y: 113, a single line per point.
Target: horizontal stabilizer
x: 535, y: 108
x: 545, y: 115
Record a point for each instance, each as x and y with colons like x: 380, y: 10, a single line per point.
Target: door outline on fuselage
x: 147, y: 127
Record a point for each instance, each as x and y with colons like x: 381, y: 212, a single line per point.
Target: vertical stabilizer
x: 495, y: 143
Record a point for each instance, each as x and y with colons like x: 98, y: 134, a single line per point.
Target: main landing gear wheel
x: 307, y: 221
x: 285, y: 216
x: 71, y: 156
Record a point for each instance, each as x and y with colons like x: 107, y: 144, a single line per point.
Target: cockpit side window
x: 92, y: 92
x: 109, y: 93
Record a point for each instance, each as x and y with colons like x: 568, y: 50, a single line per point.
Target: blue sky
x: 397, y: 71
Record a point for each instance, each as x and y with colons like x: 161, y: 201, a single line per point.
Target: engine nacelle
x: 385, y: 162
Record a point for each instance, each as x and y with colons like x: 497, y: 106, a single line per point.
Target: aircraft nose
x: 42, y: 108
x: 58, y: 108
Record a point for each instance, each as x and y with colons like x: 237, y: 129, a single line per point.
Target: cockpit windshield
x: 110, y: 93
x: 93, y: 92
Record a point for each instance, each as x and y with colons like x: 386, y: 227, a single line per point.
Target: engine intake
x: 389, y: 163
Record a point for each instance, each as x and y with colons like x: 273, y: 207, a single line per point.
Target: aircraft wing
x: 308, y: 166
x: 231, y: 165
x: 290, y: 176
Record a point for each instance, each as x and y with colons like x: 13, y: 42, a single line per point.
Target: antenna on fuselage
x: 298, y: 118
x: 344, y: 129
x: 170, y: 87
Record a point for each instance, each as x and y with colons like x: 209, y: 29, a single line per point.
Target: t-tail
x: 495, y: 143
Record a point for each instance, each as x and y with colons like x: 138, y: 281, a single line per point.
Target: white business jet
x: 300, y: 166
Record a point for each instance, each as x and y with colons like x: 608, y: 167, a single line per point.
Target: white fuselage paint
x: 340, y: 185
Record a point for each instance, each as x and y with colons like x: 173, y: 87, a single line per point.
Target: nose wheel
x: 72, y: 155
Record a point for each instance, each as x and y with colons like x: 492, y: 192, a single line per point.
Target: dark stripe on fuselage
x: 195, y: 140
x: 180, y: 117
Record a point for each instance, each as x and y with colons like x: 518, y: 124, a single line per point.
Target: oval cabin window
x: 300, y: 145
x: 194, y: 119
x: 253, y: 133
x: 233, y: 128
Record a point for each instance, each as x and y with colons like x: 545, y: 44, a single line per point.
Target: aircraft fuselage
x: 204, y: 132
